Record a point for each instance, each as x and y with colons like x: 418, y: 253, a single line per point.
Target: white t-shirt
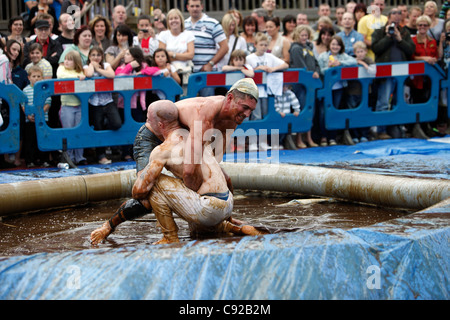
x: 160, y: 93
x: 241, y: 44
x: 267, y: 59
x: 177, y: 44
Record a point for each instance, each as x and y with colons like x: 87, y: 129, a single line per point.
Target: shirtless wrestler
x: 217, y: 112
x: 208, y: 209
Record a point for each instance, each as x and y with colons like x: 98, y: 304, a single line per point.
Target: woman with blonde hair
x: 426, y: 50
x: 235, y: 42
x: 179, y: 43
x: 437, y: 25
x: 302, y: 56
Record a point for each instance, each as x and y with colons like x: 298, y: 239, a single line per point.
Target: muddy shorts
x: 144, y: 143
x: 198, y: 210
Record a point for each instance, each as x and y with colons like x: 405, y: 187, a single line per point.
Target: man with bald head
x: 216, y: 115
x: 208, y: 209
x: 119, y: 16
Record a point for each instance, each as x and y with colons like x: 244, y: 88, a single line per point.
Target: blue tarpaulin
x: 404, y: 258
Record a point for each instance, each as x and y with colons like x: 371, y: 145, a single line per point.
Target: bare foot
x: 251, y: 231
x: 100, y: 234
x: 164, y: 240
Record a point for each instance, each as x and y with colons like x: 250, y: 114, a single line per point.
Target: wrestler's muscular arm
x: 148, y: 176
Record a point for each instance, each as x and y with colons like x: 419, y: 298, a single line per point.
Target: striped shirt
x: 44, y: 65
x: 208, y: 34
x: 284, y: 103
x: 29, y: 92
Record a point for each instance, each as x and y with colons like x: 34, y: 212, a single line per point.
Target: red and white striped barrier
x: 260, y: 78
x: 100, y: 85
x: 393, y: 70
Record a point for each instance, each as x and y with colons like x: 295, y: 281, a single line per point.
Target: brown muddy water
x: 68, y: 229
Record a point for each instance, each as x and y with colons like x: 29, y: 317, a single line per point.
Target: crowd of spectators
x: 263, y: 40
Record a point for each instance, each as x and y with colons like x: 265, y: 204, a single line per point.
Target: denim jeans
x: 385, y: 89
x: 144, y: 143
x: 70, y: 116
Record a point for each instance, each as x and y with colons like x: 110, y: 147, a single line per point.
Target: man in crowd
x: 391, y: 43
x: 349, y: 35
x: 209, y: 36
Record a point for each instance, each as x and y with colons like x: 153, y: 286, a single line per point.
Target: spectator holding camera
x: 391, y: 43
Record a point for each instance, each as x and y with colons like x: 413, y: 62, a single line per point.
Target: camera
x: 391, y: 28
x: 144, y: 30
x: 447, y: 36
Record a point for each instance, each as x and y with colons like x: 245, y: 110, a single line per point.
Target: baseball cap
x: 247, y: 86
x: 42, y: 24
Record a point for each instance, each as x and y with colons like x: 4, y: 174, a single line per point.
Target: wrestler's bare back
x: 204, y: 109
x: 170, y: 155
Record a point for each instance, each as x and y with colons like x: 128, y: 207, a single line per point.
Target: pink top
x: 127, y: 69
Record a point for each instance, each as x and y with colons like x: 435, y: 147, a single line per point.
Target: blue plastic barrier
x: 83, y: 135
x: 272, y: 120
x: 445, y: 85
x: 401, y: 112
x: 10, y: 137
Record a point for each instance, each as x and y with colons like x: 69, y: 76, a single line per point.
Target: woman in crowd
x: 278, y: 45
x: 179, y: 44
x: 235, y: 42
x: 426, y: 50
x: 289, y: 24
x: 101, y: 32
x: 359, y: 12
x: 122, y: 40
x: 82, y: 43
x: 437, y: 25
x: 249, y: 25
x: 302, y: 56
x: 323, y: 41
x: 15, y: 28
x: 238, y: 16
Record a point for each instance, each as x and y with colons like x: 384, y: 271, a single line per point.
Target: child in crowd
x: 145, y: 38
x: 36, y: 57
x: 161, y: 60
x: 238, y: 63
x: 262, y: 60
x: 354, y: 90
x: 134, y: 63
x: 286, y: 104
x: 70, y: 113
x: 33, y: 156
x: 101, y: 105
x: 334, y: 57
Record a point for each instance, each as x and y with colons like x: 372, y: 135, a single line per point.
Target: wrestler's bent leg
x: 129, y: 210
x: 227, y: 226
x: 164, y: 216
